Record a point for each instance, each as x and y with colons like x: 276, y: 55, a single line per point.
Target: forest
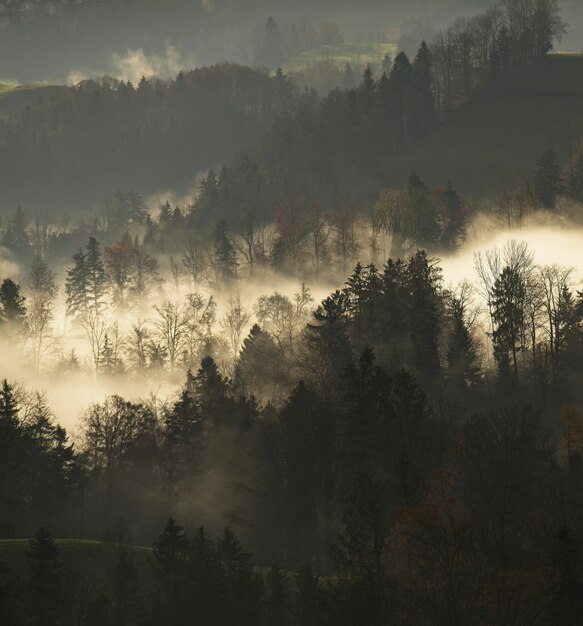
x: 248, y: 378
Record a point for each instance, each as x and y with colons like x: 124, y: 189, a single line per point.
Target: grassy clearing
x: 353, y: 53
x: 14, y: 98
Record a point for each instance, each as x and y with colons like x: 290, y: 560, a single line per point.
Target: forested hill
x: 477, y: 100
x: 506, y: 128
x: 76, y: 146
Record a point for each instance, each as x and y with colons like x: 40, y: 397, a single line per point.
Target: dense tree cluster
x: 89, y: 138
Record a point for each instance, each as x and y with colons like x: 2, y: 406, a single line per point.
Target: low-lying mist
x: 66, y: 373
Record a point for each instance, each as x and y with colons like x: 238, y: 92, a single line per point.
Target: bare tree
x: 202, y: 315
x: 96, y: 328
x: 276, y: 316
x: 235, y: 322
x: 345, y: 238
x: 555, y: 282
x: 137, y: 346
x: 40, y: 307
x: 319, y: 234
x: 171, y: 326
x: 175, y: 270
x: 194, y: 261
x: 246, y: 242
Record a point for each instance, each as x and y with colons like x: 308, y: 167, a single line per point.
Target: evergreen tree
x: 242, y: 586
x: 399, y: 82
x: 304, y: 438
x: 413, y: 439
x: 260, y: 369
x: 183, y: 446
x: 12, y: 305
x: 367, y: 92
x: 462, y: 358
x: 45, y: 569
x: 96, y: 282
x: 348, y: 79
x: 421, y: 218
x: 225, y: 258
x: 328, y: 350
x: 424, y: 313
x: 208, y: 588
x: 76, y: 286
x: 10, y: 459
x: 271, y: 52
x: 172, y: 552
x: 508, y: 315
x: 420, y: 97
x: 455, y: 227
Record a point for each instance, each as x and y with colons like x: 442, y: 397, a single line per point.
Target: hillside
x: 14, y: 98
x: 506, y: 127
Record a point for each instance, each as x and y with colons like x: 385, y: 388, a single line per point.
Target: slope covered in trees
x: 73, y: 146
x: 506, y: 128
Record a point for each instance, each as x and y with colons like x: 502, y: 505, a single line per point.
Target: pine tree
x: 424, y: 317
x: 242, y: 586
x: 328, y: 350
x: 421, y: 216
x: 225, y: 258
x: 260, y: 369
x: 207, y: 582
x: 171, y: 553
x: 45, y: 569
x: 210, y: 390
x: 183, y: 446
x: 13, y: 310
x: 11, y: 440
x: 508, y: 315
x: 271, y: 54
x: 455, y: 229
x: 367, y: 92
x: 462, y: 358
x: 399, y: 82
x: 348, y: 79
x: 76, y: 286
x: 420, y: 96
x: 96, y: 279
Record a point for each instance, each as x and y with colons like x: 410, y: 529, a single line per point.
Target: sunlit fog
x: 291, y: 312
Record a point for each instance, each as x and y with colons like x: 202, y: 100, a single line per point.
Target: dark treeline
x: 411, y: 481
x: 153, y: 135
x: 93, y: 137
